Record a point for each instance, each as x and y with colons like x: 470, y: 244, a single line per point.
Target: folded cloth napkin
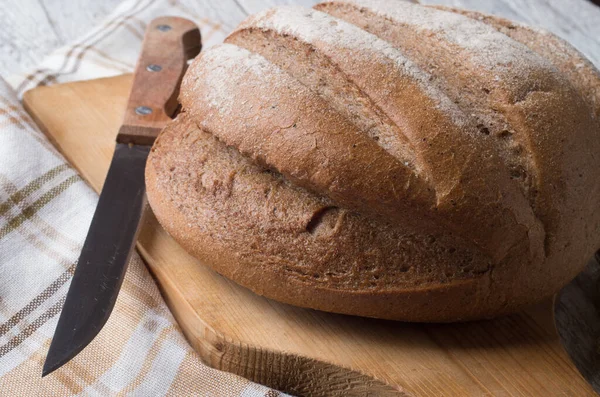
x: 45, y: 211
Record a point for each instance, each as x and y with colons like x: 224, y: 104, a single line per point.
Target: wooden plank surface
x: 31, y: 29
x: 305, y: 351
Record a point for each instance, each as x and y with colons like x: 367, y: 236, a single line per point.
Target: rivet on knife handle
x: 168, y: 44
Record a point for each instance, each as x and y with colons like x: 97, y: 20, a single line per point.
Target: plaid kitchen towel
x: 45, y: 210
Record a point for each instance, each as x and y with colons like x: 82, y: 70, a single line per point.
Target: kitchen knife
x: 168, y: 44
x: 577, y: 320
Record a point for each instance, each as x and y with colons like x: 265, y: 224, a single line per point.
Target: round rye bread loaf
x: 386, y: 159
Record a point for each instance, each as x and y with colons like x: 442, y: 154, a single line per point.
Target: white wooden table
x: 30, y: 29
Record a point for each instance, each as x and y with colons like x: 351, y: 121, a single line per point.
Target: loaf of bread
x: 386, y: 159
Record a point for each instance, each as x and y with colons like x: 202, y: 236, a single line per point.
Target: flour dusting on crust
x: 314, y: 26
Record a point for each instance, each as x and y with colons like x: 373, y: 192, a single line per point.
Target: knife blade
x: 577, y: 321
x: 169, y: 42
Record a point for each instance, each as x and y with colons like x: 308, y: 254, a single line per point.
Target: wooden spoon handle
x: 168, y: 44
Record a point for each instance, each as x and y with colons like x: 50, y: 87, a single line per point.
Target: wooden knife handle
x: 168, y: 44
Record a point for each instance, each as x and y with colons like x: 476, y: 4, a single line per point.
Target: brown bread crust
x: 412, y: 164
x: 575, y: 66
x: 253, y: 226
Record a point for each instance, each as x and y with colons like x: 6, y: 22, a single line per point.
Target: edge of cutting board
x: 298, y: 350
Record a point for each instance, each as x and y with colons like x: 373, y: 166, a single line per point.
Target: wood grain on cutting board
x: 298, y: 350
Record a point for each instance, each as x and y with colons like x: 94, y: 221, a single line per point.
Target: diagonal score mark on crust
x: 322, y: 76
x: 315, y: 48
x: 495, y: 51
x: 317, y: 154
x: 442, y: 54
x: 330, y: 56
x: 279, y: 122
x: 488, y: 53
x: 580, y: 72
x: 435, y: 41
x: 189, y: 168
x: 514, y: 91
x: 329, y: 82
x: 480, y: 69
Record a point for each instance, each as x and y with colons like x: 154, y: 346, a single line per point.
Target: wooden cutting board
x: 300, y: 351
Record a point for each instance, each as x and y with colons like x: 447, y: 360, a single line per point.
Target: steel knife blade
x: 169, y: 42
x: 577, y: 321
